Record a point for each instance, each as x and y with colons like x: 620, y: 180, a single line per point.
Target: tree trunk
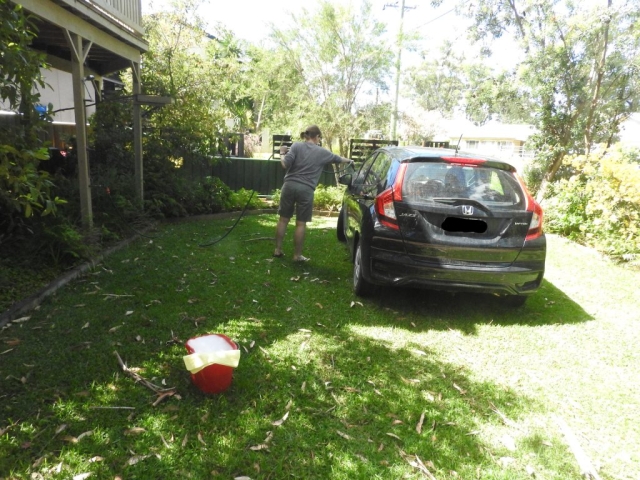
x: 588, y: 134
x: 549, y: 176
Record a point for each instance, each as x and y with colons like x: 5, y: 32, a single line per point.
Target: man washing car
x: 304, y: 163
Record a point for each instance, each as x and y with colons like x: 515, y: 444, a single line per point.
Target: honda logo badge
x: 467, y: 210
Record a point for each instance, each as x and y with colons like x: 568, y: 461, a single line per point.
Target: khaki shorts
x: 296, y: 195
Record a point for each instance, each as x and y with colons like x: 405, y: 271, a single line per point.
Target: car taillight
x: 384, y: 202
x: 385, y: 209
x: 535, y: 226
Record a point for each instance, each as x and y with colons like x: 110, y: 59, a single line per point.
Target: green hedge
x: 596, y: 201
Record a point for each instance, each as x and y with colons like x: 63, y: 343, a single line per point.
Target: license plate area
x: 463, y: 225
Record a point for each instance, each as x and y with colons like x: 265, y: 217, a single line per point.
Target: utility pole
x: 394, y: 119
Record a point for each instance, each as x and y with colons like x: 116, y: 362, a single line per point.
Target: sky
x: 251, y: 19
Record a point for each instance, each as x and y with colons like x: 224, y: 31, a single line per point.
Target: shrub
x: 597, y: 202
x: 242, y: 198
x: 328, y: 198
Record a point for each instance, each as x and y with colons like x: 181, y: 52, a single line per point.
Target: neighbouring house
x: 500, y: 140
x: 86, y: 42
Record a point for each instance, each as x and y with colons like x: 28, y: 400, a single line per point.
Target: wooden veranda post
x: 79, y: 52
x: 137, y: 134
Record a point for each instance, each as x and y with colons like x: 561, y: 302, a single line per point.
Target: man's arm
x: 346, y: 160
x: 284, y: 151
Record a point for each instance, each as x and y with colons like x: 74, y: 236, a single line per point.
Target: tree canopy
x: 337, y: 53
x: 580, y: 69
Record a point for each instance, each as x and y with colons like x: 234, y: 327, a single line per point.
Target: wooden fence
x: 263, y: 176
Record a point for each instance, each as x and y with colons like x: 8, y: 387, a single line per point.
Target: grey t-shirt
x: 305, y: 162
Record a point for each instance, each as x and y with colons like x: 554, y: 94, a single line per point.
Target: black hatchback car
x: 444, y: 220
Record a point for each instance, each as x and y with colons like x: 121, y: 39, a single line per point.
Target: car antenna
x: 458, y: 145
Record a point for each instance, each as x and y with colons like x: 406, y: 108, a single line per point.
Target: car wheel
x: 340, y: 227
x: 361, y: 287
x: 516, y: 300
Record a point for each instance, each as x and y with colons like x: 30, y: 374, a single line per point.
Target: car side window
x: 364, y: 169
x: 376, y: 179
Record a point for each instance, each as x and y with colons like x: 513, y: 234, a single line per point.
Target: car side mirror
x: 345, y: 179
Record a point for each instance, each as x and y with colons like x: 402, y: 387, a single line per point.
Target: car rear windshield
x: 428, y: 182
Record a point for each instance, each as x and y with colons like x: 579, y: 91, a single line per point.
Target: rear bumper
x: 520, y: 278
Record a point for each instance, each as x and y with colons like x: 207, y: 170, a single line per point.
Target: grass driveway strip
x: 408, y: 384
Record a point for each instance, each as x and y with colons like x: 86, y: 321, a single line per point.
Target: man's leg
x: 298, y: 239
x: 281, y: 229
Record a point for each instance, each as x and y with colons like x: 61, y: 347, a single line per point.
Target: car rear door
x: 462, y: 213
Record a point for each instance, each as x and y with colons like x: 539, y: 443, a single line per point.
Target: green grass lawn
x: 408, y: 384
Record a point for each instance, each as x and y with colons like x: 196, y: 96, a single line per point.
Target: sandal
x: 278, y: 255
x: 301, y: 259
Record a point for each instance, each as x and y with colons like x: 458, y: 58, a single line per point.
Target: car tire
x: 340, y: 227
x: 516, y: 300
x: 361, y: 286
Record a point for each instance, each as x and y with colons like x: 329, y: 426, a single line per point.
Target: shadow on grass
x: 352, y: 398
x: 464, y: 311
x: 353, y: 404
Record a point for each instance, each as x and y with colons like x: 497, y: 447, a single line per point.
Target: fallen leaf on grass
x: 419, y: 352
x: 344, y: 435
x: 242, y: 478
x: 166, y: 444
x: 409, y: 381
x: 394, y: 436
x: 97, y: 458
x: 128, y: 312
x: 257, y: 448
x: 319, y: 305
x: 69, y: 439
x: 420, y: 422
x: 397, y: 422
x: 113, y: 329
x: 134, y: 431
x: 184, y: 440
x: 61, y: 428
x: 277, y: 423
x: 12, y: 342
x: 85, y: 434
x: 295, y: 279
x: 137, y: 458
x: 200, y: 439
x: 82, y: 476
x: 86, y: 325
x: 20, y: 320
x: 459, y: 389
